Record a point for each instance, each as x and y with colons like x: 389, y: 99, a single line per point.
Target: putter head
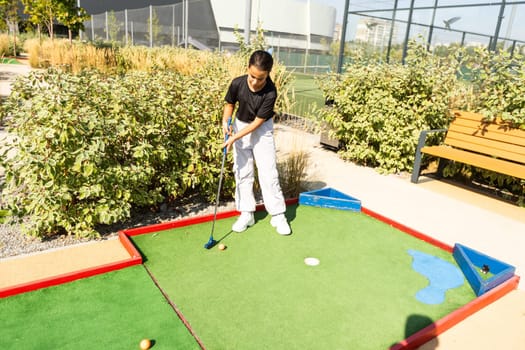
x: 210, y: 243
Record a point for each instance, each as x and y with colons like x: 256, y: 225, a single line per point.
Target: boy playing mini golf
x: 254, y: 95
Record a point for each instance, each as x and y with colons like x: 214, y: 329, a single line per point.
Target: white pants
x: 258, y: 147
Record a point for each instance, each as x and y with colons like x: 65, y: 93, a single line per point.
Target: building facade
x: 299, y: 26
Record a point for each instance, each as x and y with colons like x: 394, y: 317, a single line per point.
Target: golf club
x: 211, y: 242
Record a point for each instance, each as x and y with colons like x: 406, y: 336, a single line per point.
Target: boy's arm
x: 227, y: 114
x: 244, y: 131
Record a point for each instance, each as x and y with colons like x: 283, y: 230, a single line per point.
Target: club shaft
x: 218, y: 193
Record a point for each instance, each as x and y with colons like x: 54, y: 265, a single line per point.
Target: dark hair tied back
x: 261, y: 60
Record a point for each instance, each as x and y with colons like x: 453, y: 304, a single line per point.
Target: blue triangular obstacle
x: 330, y: 198
x: 474, y: 264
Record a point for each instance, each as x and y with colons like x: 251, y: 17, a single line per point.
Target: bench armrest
x: 423, y: 137
x: 420, y: 145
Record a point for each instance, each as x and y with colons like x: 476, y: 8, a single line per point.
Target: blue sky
x: 473, y: 19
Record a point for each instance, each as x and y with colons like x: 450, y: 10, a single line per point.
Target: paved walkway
x: 8, y: 73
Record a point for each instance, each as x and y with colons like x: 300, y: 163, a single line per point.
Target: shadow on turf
x: 416, y: 323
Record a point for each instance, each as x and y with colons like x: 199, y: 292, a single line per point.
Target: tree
x: 46, y: 12
x: 71, y: 16
x: 113, y: 26
x: 155, y: 28
x: 9, y: 12
x: 41, y: 12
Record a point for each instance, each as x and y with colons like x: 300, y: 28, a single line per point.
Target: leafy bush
x: 88, y: 147
x: 493, y: 85
x: 498, y: 83
x: 123, y: 127
x: 378, y: 110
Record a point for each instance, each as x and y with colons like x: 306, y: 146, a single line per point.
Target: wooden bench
x: 470, y: 139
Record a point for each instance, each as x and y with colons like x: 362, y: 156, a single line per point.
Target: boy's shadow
x: 427, y: 332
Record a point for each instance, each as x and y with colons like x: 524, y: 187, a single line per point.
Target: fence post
x: 247, y: 21
x: 92, y: 29
x: 80, y: 32
x: 498, y: 26
x: 106, y: 26
x: 150, y: 26
x: 407, y: 34
x: 392, y: 24
x: 431, y: 30
x: 126, y: 25
x: 343, y: 38
x: 173, y: 25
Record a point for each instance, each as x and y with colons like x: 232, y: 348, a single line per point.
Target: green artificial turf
x: 110, y: 311
x: 259, y: 294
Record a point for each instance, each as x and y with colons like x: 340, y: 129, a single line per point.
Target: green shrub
x: 91, y: 144
x: 498, y: 82
x: 495, y: 87
x: 88, y: 147
x: 379, y: 109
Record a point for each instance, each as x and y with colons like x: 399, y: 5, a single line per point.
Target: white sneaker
x: 244, y: 221
x: 280, y: 224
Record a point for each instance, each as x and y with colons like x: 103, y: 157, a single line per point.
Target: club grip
x: 226, y: 136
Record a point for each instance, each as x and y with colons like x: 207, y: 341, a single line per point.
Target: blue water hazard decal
x: 441, y: 274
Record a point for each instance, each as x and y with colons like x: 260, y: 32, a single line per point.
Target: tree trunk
x: 12, y: 25
x: 51, y: 20
x: 14, y: 44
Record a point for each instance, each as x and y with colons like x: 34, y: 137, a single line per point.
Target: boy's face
x: 256, y: 78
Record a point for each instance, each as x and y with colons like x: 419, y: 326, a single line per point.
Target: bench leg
x: 416, y: 169
x: 417, y: 160
x: 441, y: 165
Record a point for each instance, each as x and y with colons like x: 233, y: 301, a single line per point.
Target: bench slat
x: 477, y: 160
x: 472, y: 140
x: 490, y: 131
x: 468, y: 115
x: 489, y: 147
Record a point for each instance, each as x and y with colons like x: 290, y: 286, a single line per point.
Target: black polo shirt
x: 252, y: 104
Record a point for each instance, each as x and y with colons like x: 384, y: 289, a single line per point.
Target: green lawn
x: 308, y: 96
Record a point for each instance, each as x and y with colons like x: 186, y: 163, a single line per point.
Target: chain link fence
x: 183, y: 24
x: 382, y: 27
x: 192, y: 23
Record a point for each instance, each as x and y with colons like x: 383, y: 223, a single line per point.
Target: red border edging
x: 417, y: 339
x: 436, y: 328
x: 67, y: 277
x: 440, y: 326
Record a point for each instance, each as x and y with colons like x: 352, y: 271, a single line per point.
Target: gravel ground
x: 14, y: 243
